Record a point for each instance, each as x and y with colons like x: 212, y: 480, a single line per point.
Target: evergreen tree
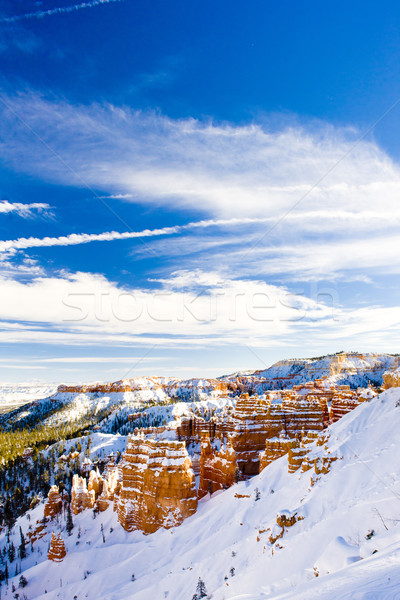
x: 70, y: 523
x: 201, y: 591
x: 11, y: 552
x: 8, y: 514
x: 23, y: 582
x: 22, y: 546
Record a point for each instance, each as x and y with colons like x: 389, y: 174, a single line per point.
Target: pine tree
x: 70, y: 524
x: 11, y: 552
x: 201, y: 591
x: 22, y: 547
x: 8, y: 515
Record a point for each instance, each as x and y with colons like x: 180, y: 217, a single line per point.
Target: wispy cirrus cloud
x: 40, y: 14
x: 218, y: 170
x: 23, y: 210
x: 305, y: 202
x: 316, y: 258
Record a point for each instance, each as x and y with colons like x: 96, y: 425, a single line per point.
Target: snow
x: 361, y: 493
x: 351, y: 368
x: 12, y: 394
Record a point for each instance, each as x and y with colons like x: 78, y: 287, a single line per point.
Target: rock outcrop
x: 157, y: 485
x: 110, y: 484
x: 391, y: 379
x: 275, y: 448
x: 81, y: 497
x: 253, y: 422
x: 217, y: 469
x: 57, y: 550
x: 344, y: 401
x: 258, y: 419
x: 284, y: 520
x: 54, y: 502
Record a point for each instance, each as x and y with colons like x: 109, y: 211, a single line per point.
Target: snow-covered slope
x: 349, y: 535
x: 13, y: 395
x: 354, y: 369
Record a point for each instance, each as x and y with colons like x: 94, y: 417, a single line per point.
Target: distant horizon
x: 150, y: 374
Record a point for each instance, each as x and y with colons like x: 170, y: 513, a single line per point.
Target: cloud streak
x: 197, y: 309
x: 40, y: 14
x: 24, y: 210
x: 217, y: 170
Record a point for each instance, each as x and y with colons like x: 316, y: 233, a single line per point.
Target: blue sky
x: 196, y: 188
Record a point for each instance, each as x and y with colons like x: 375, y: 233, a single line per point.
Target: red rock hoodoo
x: 54, y: 503
x: 157, y: 485
x: 57, y: 550
x: 81, y: 497
x: 217, y: 469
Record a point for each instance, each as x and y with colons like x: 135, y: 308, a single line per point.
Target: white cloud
x: 39, y: 14
x: 186, y: 306
x: 245, y: 180
x: 222, y: 171
x: 194, y: 309
x: 23, y: 210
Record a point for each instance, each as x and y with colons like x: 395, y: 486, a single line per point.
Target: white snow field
x: 14, y: 394
x: 346, y: 546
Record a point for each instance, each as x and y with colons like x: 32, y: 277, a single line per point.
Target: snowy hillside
x: 345, y: 543
x: 13, y: 395
x: 354, y: 369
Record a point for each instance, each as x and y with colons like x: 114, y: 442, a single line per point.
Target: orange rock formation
x: 283, y: 521
x: 391, y: 379
x: 53, y: 504
x: 81, y: 497
x: 217, y: 469
x: 157, y: 485
x: 109, y: 486
x: 57, y: 550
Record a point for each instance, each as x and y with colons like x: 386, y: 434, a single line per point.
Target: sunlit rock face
x: 57, y: 550
x: 344, y: 401
x: 157, y: 485
x: 275, y: 448
x: 258, y: 419
x: 252, y: 424
x: 54, y: 502
x: 391, y: 379
x: 217, y: 468
x: 110, y: 484
x: 81, y: 497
